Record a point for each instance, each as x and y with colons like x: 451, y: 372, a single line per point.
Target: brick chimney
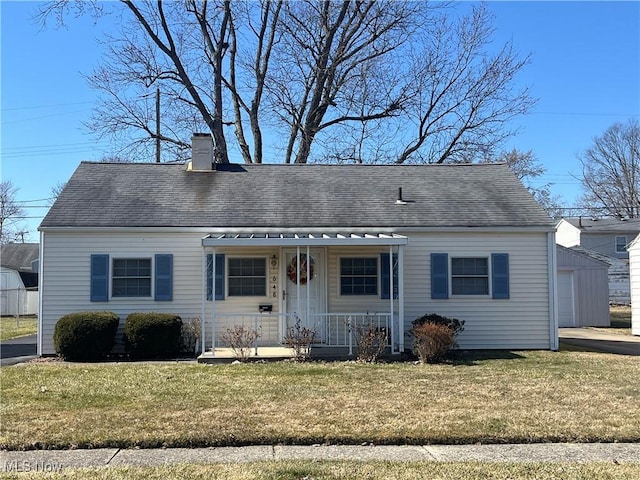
x: 201, y: 152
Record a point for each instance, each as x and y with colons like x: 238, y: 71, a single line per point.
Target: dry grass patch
x: 297, y: 470
x: 12, y: 327
x: 620, y: 316
x: 525, y: 397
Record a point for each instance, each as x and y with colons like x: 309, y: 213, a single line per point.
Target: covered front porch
x: 335, y: 285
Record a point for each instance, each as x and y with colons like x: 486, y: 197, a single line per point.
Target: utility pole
x: 158, y: 125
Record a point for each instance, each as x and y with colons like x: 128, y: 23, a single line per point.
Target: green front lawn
x: 297, y: 470
x: 11, y: 327
x: 536, y: 396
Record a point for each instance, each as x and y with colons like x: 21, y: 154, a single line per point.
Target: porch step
x: 226, y: 355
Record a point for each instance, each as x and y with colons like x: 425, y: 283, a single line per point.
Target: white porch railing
x: 332, y: 329
x: 270, y: 326
x: 339, y: 329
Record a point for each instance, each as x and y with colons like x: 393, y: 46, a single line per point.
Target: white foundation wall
x: 522, y: 321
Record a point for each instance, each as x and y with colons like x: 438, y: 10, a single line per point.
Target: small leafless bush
x: 190, y: 335
x: 431, y: 341
x: 300, y: 339
x: 371, y: 340
x: 240, y: 340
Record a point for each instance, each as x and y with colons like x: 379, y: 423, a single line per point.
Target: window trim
x: 489, y: 277
x: 616, y: 244
x: 112, y: 277
x: 375, y: 257
x: 228, y: 258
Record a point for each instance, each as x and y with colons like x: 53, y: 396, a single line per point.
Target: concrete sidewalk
x: 56, y: 460
x: 600, y: 341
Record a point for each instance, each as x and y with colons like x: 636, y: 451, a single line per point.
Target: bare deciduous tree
x: 11, y: 213
x: 611, y: 171
x: 526, y: 167
x: 389, y: 81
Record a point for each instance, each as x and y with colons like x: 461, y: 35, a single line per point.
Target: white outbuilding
x: 583, y: 289
x: 634, y: 266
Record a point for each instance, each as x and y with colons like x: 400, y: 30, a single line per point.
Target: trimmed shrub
x: 85, y: 336
x: 457, y: 326
x: 431, y: 341
x: 152, y: 335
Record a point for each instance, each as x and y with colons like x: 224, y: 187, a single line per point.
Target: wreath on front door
x: 292, y: 269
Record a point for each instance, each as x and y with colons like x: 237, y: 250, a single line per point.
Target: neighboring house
x: 583, y: 289
x: 634, y: 259
x: 264, y: 245
x: 605, y: 239
x: 19, y: 279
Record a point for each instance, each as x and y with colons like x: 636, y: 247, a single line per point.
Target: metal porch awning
x: 280, y: 239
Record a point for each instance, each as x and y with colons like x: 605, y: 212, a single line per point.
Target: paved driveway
x: 14, y: 350
x: 602, y: 342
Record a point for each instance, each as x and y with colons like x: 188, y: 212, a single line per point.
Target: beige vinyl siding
x: 66, y: 276
x: 519, y: 322
x: 522, y: 321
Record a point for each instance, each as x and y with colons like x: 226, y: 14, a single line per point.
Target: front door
x: 299, y: 289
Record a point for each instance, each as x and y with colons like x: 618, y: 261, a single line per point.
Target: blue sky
x: 585, y: 72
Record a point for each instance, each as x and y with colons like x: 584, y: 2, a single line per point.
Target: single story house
x: 583, y: 289
x: 328, y: 245
x: 19, y: 279
x: 604, y: 239
x: 634, y: 259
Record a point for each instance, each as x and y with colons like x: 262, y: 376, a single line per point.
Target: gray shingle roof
x: 294, y: 196
x: 606, y: 225
x: 18, y: 256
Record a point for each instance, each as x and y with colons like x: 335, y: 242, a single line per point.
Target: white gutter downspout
x: 298, y: 281
x: 553, y: 304
x: 213, y: 302
x: 401, y: 297
x: 309, y: 325
x: 391, y: 302
x: 204, y: 298
x: 40, y: 292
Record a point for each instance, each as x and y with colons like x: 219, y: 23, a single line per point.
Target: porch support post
x: 391, y: 301
x: 308, y: 284
x: 401, y: 297
x: 298, y: 280
x: 213, y: 302
x: 204, y: 299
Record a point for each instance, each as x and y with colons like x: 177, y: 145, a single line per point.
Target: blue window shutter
x: 219, y: 280
x: 384, y: 275
x: 99, y: 290
x: 500, y: 275
x: 164, y: 277
x: 439, y: 275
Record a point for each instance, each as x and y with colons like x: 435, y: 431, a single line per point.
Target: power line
x: 41, y: 117
x: 35, y: 107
